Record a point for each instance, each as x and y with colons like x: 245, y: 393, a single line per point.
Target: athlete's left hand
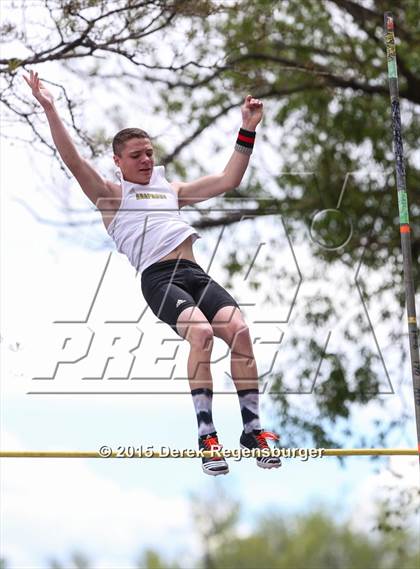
x: 252, y: 112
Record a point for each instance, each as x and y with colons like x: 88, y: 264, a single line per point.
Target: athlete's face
x: 136, y: 161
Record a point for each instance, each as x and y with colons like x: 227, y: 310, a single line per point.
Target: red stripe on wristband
x: 246, y: 138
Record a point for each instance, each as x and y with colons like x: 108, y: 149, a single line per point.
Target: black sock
x: 202, y: 399
x: 248, y: 400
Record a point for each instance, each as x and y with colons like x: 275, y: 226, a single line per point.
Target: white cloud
x: 57, y: 506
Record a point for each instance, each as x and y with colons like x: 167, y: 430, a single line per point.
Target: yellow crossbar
x: 191, y: 453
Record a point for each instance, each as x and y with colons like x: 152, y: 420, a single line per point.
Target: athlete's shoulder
x: 174, y: 185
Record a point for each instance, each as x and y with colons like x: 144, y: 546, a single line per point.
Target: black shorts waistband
x: 170, y: 263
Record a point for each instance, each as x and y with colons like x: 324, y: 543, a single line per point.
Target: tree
x: 81, y: 30
x: 215, y: 519
x: 320, y: 67
x: 311, y: 541
x: 77, y: 561
x: 152, y: 560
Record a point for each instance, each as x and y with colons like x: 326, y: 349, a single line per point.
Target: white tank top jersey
x: 148, y: 224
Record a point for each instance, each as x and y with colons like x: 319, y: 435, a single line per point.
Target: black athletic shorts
x: 173, y: 285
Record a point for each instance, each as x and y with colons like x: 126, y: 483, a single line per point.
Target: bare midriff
x: 183, y: 251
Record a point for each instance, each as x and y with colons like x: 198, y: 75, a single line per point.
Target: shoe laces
x: 212, y: 443
x: 263, y: 436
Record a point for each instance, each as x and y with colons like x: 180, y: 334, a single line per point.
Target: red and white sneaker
x: 258, y: 439
x: 212, y: 465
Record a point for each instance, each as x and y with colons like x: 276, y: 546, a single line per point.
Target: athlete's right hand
x: 39, y: 91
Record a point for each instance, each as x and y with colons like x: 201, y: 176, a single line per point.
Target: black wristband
x: 245, y: 141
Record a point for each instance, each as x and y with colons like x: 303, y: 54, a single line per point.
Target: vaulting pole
x: 403, y: 211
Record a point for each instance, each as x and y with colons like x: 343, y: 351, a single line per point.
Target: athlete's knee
x: 240, y: 337
x: 200, y: 336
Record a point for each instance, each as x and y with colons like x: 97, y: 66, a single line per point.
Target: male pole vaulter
x: 142, y: 216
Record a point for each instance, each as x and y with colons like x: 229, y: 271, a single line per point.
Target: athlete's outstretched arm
x: 252, y: 112
x: 91, y: 182
x: 214, y: 185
